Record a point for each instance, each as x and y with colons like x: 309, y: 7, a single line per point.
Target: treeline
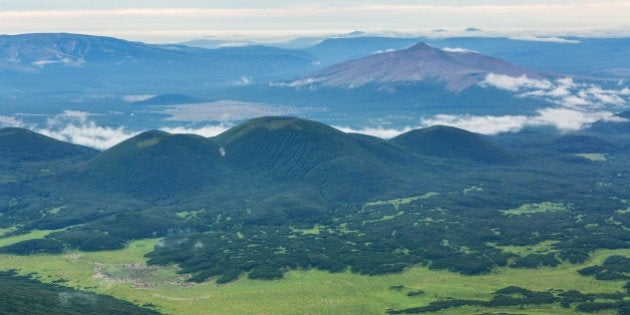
x: 23, y: 295
x: 516, y: 296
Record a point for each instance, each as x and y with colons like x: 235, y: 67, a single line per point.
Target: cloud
x: 380, y: 132
x: 488, y: 125
x: 10, y: 121
x: 205, y: 131
x: 137, y: 97
x: 514, y: 84
x: 563, y: 119
x: 182, y: 20
x: 75, y: 127
x: 244, y: 80
x: 230, y: 110
x: 459, y: 50
x: 549, y: 39
x: 382, y: 51
x: 564, y: 92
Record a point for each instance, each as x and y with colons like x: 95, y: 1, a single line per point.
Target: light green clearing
x: 149, y: 142
x: 540, y: 248
x: 52, y: 211
x: 536, y: 208
x: 313, y: 231
x: 6, y: 231
x: 125, y: 275
x: 5, y: 241
x: 627, y: 210
x: 596, y: 157
x: 189, y: 214
x: 400, y: 201
x: 472, y: 189
x: 384, y: 218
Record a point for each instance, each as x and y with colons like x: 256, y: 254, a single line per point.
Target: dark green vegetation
x: 515, y: 296
x: 23, y: 295
x: 614, y: 268
x: 278, y: 194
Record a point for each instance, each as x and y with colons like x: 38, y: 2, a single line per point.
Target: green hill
x: 583, y: 144
x: 156, y: 164
x: 451, y: 143
x: 22, y: 145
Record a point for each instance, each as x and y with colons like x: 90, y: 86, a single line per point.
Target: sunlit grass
x: 596, y: 157
x: 540, y: 248
x: 536, y: 208
x: 123, y: 274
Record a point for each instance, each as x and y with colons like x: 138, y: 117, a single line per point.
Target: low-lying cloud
x: 459, y: 50
x: 563, y: 119
x: 79, y: 128
x: 205, y: 131
x: 230, y: 110
x: 9, y: 121
x: 548, y: 39
x: 380, y: 132
x: 76, y: 127
x: 564, y: 92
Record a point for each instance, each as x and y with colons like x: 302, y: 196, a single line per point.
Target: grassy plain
x: 124, y: 274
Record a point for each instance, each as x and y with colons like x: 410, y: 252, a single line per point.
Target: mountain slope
x: 32, y: 62
x: 293, y: 150
x: 457, y: 71
x: 155, y: 164
x: 450, y: 142
x: 22, y: 145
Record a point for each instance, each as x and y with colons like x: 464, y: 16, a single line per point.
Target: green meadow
x: 124, y: 274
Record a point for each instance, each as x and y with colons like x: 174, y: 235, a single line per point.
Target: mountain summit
x: 457, y: 70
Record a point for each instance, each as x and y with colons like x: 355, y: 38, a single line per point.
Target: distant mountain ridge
x: 457, y: 70
x: 33, y: 61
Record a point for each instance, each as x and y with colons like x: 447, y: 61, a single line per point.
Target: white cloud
x: 75, y: 127
x: 229, y: 110
x: 549, y: 39
x: 459, y: 50
x: 380, y: 132
x: 205, y: 131
x: 244, y: 80
x: 137, y: 97
x: 564, y: 92
x: 563, y: 119
x: 382, y: 51
x: 489, y: 125
x: 514, y: 84
x: 10, y: 121
x: 181, y: 20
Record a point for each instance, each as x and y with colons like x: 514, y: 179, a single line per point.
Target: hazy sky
x: 171, y: 21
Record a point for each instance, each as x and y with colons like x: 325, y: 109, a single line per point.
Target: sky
x: 160, y: 21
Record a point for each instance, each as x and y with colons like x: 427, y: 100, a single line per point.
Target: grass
x: 596, y: 157
x: 536, y: 208
x: 540, y: 248
x: 123, y: 274
x: 5, y: 241
x: 400, y: 201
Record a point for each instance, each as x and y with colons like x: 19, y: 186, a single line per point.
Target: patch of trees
x: 34, y: 246
x: 614, y: 268
x: 517, y: 296
x: 23, y: 295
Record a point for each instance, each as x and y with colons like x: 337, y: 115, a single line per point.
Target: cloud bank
x: 230, y: 110
x: 77, y: 127
x: 563, y: 92
x: 143, y: 20
x: 548, y: 39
